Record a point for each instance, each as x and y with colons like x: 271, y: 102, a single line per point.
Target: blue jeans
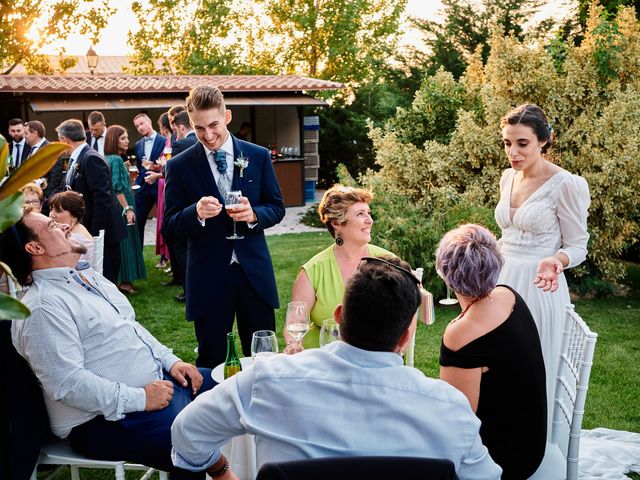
x: 141, y: 437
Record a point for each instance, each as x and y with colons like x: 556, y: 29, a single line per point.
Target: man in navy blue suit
x: 225, y: 278
x: 89, y: 175
x: 149, y: 147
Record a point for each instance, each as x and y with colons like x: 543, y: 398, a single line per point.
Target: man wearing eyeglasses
x: 351, y: 397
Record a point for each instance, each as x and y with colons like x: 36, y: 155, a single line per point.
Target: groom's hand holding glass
x: 243, y: 212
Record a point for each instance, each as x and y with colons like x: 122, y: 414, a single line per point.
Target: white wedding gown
x: 553, y: 219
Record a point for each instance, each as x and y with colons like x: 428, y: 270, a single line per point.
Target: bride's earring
x: 339, y: 240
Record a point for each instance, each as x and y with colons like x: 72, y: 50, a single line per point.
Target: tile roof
x: 160, y: 84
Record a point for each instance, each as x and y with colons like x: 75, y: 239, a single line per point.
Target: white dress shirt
x: 148, y: 144
x: 35, y: 148
x: 100, y: 141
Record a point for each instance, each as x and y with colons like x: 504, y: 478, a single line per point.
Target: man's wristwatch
x: 219, y: 468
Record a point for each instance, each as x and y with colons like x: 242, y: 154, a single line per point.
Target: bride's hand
x: 547, y: 275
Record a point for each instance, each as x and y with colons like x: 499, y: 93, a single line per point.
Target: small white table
x: 240, y: 451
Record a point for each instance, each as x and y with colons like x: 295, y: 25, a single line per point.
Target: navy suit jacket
x: 181, y: 145
x: 24, y: 151
x: 157, y: 150
x: 190, y: 178
x: 92, y: 178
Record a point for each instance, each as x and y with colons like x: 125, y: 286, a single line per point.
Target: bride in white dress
x: 543, y: 216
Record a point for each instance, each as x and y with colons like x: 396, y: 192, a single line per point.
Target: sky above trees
x: 113, y: 40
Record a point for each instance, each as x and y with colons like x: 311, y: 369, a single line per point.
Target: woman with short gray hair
x: 491, y: 352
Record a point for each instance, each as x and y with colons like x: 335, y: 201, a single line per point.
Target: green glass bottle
x: 232, y: 363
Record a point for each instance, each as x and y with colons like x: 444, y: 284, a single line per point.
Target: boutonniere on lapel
x: 241, y: 162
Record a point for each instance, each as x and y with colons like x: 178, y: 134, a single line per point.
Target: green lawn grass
x: 615, y: 378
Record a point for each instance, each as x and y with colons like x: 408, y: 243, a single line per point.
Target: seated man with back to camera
x: 109, y: 386
x: 352, y: 397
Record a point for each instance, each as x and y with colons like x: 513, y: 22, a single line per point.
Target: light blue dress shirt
x: 335, y: 401
x: 84, y: 345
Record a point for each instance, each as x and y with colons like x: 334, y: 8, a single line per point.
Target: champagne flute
x: 297, y: 320
x: 330, y: 332
x: 232, y: 202
x: 264, y: 343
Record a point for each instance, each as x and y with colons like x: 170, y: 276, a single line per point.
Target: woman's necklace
x: 466, y: 309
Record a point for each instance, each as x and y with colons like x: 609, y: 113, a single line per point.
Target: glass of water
x: 264, y: 343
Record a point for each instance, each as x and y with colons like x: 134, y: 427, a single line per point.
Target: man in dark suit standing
x: 186, y: 137
x: 18, y: 147
x: 149, y: 147
x: 97, y: 131
x: 89, y: 175
x: 225, y: 278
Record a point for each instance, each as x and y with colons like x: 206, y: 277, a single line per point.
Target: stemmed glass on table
x: 297, y: 320
x: 232, y: 202
x: 264, y: 343
x: 330, y: 332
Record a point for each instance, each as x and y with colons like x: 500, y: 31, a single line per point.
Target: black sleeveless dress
x: 513, y: 401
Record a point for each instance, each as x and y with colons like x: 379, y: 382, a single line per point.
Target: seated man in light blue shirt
x: 109, y: 386
x: 352, y: 397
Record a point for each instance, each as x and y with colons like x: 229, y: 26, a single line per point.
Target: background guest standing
x: 149, y: 147
x: 132, y: 265
x: 89, y: 175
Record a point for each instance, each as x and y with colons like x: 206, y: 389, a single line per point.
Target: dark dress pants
x: 178, y: 257
x: 141, y: 437
x: 238, y: 299
x: 145, y: 200
x: 111, y: 263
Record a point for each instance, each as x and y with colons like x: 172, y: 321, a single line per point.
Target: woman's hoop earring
x: 339, y: 240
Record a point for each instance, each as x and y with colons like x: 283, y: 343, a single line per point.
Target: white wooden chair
x: 572, y: 383
x: 426, y: 315
x: 57, y: 452
x: 98, y: 252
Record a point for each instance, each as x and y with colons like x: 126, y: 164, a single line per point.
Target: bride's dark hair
x: 532, y: 116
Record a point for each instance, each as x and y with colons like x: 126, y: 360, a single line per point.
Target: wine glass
x: 297, y: 320
x: 264, y: 343
x: 330, y: 332
x: 448, y: 300
x: 231, y: 202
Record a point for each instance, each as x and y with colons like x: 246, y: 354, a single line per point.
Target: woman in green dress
x: 132, y: 266
x: 320, y: 284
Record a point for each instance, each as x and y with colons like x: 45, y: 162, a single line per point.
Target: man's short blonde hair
x: 336, y: 200
x: 205, y: 98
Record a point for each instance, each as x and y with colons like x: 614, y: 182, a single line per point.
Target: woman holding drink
x: 132, y: 265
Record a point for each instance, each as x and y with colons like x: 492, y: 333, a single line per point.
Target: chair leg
x: 75, y: 472
x: 120, y: 472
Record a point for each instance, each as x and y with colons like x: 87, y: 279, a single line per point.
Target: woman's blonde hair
x: 336, y: 200
x: 33, y: 188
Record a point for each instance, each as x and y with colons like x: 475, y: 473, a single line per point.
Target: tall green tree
x: 189, y: 37
x: 26, y: 26
x: 342, y: 40
x: 467, y: 26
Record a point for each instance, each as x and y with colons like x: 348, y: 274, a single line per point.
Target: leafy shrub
x: 592, y: 98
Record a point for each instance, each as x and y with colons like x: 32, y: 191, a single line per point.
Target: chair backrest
x: 98, y: 252
x: 572, y: 384
x: 371, y: 468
